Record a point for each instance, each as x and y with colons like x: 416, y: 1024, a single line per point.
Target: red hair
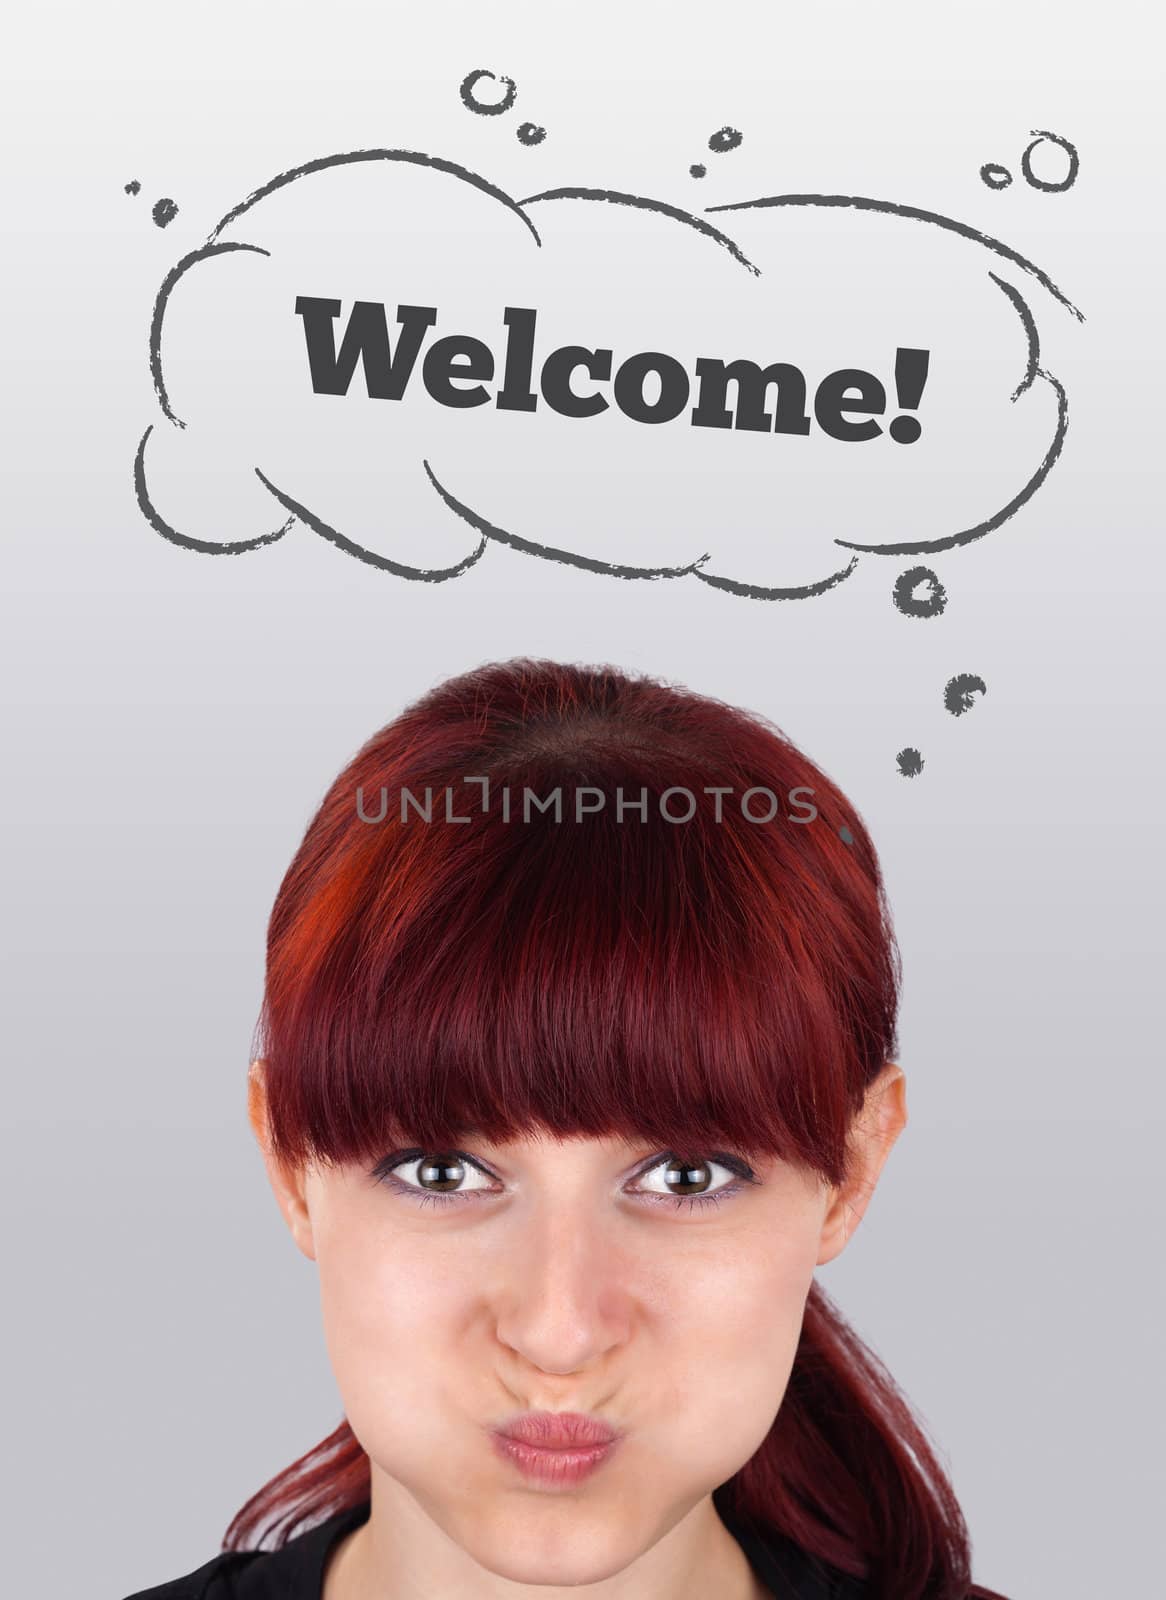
x: 702, y: 983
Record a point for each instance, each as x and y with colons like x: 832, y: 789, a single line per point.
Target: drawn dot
x: 905, y: 430
x: 724, y: 139
x: 910, y: 762
x: 696, y: 170
x: 995, y: 176
x: 961, y: 692
x: 486, y: 108
x: 133, y: 186
x: 164, y: 211
x: 531, y: 133
x: 913, y: 604
x: 845, y: 834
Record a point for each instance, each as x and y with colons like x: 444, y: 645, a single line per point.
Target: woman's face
x: 662, y: 1297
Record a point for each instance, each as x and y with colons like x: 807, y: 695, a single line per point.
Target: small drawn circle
x: 995, y: 176
x: 960, y: 693
x: 531, y: 133
x: 486, y: 108
x: 164, y: 211
x: 133, y: 186
x: 696, y: 170
x: 910, y: 762
x: 1067, y: 182
x: 905, y: 430
x: 724, y: 139
x: 845, y: 834
x: 912, y: 604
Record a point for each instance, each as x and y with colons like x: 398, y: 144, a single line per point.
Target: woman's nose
x: 567, y: 1299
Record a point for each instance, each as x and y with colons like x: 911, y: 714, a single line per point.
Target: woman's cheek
x: 366, y: 1289
x: 765, y: 1290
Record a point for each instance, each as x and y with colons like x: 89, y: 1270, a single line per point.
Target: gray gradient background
x: 171, y: 720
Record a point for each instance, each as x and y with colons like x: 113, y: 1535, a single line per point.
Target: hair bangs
x: 675, y: 983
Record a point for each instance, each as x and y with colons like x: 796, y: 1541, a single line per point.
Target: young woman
x: 575, y: 1061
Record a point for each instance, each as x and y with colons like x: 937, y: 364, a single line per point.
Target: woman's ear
x: 879, y: 1122
x: 287, y: 1183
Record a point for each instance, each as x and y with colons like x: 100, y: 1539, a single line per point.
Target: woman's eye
x: 435, y: 1174
x: 680, y: 1178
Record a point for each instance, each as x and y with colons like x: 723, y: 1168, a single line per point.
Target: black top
x: 297, y: 1571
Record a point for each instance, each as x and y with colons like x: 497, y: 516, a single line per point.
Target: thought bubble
x: 722, y: 141
x: 997, y: 176
x: 162, y: 211
x: 919, y: 593
x: 476, y: 97
x: 961, y: 692
x: 386, y: 349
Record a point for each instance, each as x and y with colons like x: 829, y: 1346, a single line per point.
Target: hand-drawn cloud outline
x: 490, y: 533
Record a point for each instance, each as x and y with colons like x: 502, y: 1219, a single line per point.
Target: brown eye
x: 440, y: 1172
x: 679, y: 1177
x: 687, y: 1177
x: 436, y: 1179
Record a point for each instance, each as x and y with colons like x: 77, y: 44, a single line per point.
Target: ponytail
x: 848, y: 1474
x: 331, y: 1477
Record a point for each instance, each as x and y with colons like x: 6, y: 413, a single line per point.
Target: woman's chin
x: 560, y: 1540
